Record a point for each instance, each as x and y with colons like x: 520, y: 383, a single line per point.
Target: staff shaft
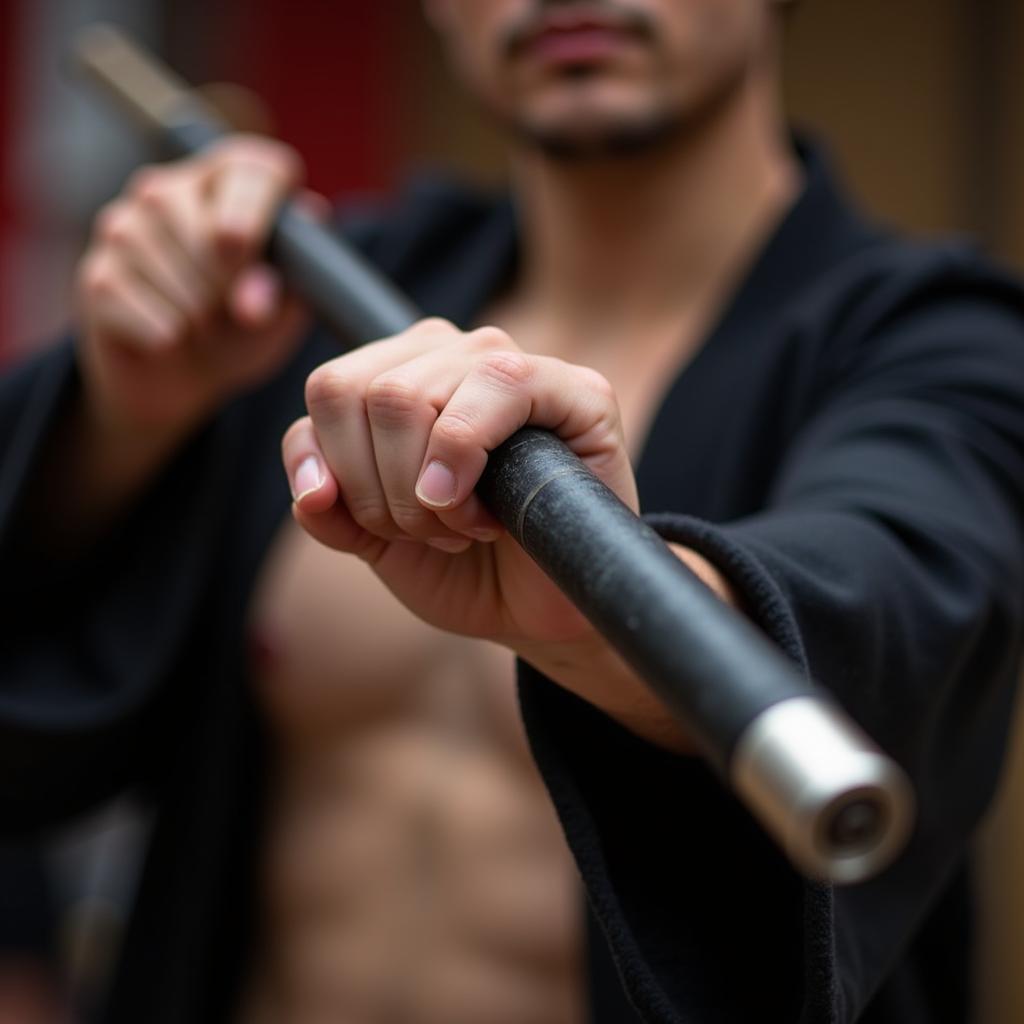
x: 838, y: 806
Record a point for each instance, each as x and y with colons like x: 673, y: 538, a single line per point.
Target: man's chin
x: 599, y: 140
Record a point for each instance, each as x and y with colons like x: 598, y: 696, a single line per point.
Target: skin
x: 386, y: 896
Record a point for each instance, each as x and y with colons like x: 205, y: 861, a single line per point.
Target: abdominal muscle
x: 415, y: 872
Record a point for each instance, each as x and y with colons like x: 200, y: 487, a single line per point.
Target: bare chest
x: 334, y: 651
x: 414, y: 869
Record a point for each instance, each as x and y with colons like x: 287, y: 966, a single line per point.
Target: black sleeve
x: 94, y: 653
x: 86, y: 645
x: 889, y: 563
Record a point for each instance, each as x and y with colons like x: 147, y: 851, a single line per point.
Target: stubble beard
x: 665, y: 126
x: 614, y: 140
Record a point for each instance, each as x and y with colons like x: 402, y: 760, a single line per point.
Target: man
x: 831, y: 422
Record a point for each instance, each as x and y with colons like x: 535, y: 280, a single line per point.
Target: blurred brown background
x: 920, y: 101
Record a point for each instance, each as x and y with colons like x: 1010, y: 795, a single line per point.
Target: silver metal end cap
x: 840, y: 808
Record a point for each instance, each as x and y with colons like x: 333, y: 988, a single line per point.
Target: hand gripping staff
x: 839, y: 807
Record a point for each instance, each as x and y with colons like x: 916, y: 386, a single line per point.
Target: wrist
x: 591, y: 669
x: 588, y: 666
x: 94, y: 463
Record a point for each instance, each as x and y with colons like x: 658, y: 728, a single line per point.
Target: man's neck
x: 610, y: 245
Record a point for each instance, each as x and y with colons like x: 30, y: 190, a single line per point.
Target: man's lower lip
x: 582, y: 47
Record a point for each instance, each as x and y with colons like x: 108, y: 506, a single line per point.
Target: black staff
x: 838, y: 806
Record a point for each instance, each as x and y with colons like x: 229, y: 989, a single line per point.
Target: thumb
x: 257, y: 292
x: 255, y: 296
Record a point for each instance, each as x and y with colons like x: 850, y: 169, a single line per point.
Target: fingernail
x: 308, y: 478
x: 258, y: 294
x: 452, y: 545
x: 437, y: 485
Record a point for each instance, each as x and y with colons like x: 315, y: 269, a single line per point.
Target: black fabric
x: 28, y: 917
x: 608, y: 1002
x: 848, y: 447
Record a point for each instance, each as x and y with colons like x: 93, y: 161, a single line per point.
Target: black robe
x: 848, y: 448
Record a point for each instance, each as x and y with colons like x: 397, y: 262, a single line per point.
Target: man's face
x: 585, y: 77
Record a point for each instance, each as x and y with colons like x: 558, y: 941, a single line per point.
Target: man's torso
x: 416, y: 870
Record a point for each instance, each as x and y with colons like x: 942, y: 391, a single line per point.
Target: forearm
x: 89, y: 470
x: 591, y: 669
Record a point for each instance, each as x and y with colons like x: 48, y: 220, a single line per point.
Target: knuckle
x: 432, y: 327
x: 393, y: 398
x: 371, y: 513
x: 155, y: 188
x: 327, y: 387
x: 598, y: 385
x: 97, y: 276
x: 114, y: 222
x: 408, y: 516
x: 143, y: 180
x: 455, y: 429
x: 507, y: 369
x: 490, y: 339
x: 433, y: 323
x: 157, y: 196
x: 277, y: 157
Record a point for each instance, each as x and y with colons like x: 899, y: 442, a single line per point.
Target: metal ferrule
x: 839, y: 808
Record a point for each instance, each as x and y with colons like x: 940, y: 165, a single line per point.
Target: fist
x: 176, y: 314
x: 398, y: 433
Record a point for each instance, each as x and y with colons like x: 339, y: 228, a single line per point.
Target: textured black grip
x: 709, y: 665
